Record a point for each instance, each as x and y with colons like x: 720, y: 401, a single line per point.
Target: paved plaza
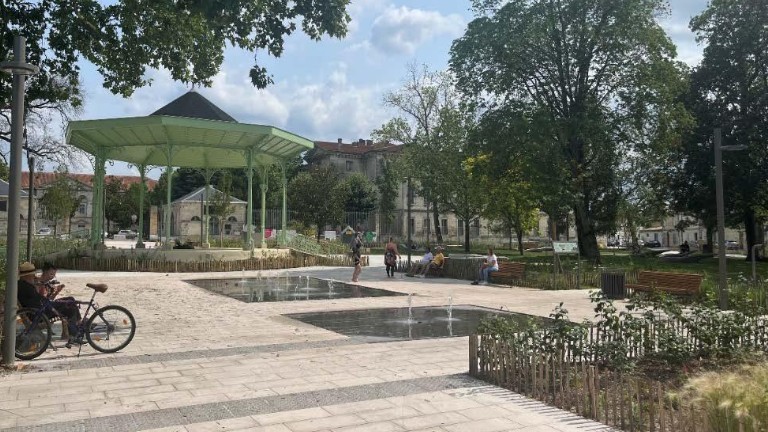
x: 205, y: 362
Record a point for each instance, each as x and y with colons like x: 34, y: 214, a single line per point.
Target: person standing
x: 357, y: 249
x: 491, y: 264
x: 390, y: 257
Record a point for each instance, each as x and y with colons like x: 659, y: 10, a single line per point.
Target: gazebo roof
x: 201, y: 194
x: 196, y: 132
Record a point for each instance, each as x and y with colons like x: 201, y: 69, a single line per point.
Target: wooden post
x: 473, y: 342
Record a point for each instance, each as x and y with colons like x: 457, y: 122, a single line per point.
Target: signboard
x: 565, y: 247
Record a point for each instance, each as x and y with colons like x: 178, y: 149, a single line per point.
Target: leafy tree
x: 729, y: 89
x: 317, y: 197
x: 361, y: 193
x: 464, y: 194
x: 388, y: 184
x: 220, y: 204
x: 60, y: 201
x: 601, y: 71
x: 419, y: 103
x: 512, y: 206
x: 124, y: 38
x: 117, y: 208
x: 4, y: 171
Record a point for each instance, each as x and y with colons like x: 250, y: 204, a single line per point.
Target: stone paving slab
x: 202, y: 361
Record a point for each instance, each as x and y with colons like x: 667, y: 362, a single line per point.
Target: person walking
x: 390, y: 257
x: 491, y: 264
x: 357, y: 249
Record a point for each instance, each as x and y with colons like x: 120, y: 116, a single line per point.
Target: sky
x: 334, y: 88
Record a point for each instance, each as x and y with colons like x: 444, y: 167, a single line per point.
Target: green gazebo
x: 189, y: 132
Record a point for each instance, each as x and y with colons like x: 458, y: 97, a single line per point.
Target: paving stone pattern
x: 204, y: 362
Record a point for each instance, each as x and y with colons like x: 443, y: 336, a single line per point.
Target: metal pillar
x: 264, y: 209
x: 722, y: 296
x: 208, y: 174
x: 97, y: 210
x: 284, y: 214
x: 30, y: 204
x: 409, y: 205
x: 249, y: 211
x: 167, y: 216
x: 19, y: 69
x: 142, y: 175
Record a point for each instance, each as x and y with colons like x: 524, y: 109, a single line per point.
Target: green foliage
x: 361, y: 193
x: 220, y: 204
x: 60, y: 201
x: 388, y: 183
x: 591, y: 80
x: 732, y: 400
x: 4, y: 171
x: 124, y: 38
x: 122, y: 202
x: 317, y: 197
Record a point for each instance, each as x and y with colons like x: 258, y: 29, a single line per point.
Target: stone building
x: 80, y: 223
x: 23, y: 207
x: 188, y: 213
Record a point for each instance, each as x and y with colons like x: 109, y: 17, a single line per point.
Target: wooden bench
x: 509, y: 272
x: 673, y: 283
x: 437, y: 271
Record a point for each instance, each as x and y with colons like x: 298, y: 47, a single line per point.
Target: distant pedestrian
x: 390, y: 257
x: 357, y: 249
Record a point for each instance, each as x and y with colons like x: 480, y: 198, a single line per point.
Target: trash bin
x: 612, y: 284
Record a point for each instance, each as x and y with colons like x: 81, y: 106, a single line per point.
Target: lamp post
x: 19, y: 68
x: 722, y: 295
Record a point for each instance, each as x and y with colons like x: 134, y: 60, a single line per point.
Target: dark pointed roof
x: 193, y: 105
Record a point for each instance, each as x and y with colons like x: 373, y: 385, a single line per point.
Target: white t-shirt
x: 492, y: 261
x: 427, y: 258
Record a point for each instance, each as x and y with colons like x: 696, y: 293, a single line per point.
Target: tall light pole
x: 19, y: 68
x: 722, y: 295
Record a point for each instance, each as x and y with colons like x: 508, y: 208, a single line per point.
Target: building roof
x: 43, y: 179
x: 359, y: 147
x: 5, y: 187
x: 200, y: 194
x: 193, y: 105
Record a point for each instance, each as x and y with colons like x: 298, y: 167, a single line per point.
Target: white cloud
x: 401, y: 30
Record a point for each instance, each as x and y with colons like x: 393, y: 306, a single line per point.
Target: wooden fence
x: 129, y: 264
x: 627, y: 402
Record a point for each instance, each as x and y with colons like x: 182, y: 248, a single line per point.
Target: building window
x: 82, y: 209
x: 4, y: 205
x: 195, y: 218
x: 461, y: 228
x: 349, y: 165
x: 412, y: 223
x: 426, y: 224
x: 444, y: 226
x: 232, y: 219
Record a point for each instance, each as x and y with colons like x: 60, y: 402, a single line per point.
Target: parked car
x: 732, y: 245
x: 652, y: 243
x: 130, y: 235
x: 44, y: 231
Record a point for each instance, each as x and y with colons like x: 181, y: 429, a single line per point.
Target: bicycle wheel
x: 110, y: 329
x: 33, y: 334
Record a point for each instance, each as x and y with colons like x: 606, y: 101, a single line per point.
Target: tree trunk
x: 429, y: 229
x: 466, y: 235
x: 509, y: 234
x: 710, y: 239
x: 438, y: 229
x: 520, y: 241
x: 585, y: 233
x: 750, y: 230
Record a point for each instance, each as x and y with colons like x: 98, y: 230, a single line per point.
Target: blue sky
x: 333, y: 88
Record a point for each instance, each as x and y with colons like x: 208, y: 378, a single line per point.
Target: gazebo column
x: 264, y: 188
x: 142, y: 176
x: 249, y: 210
x: 167, y: 216
x: 97, y: 215
x: 284, y: 213
x: 208, y: 174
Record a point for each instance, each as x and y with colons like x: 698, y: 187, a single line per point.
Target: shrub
x: 733, y: 401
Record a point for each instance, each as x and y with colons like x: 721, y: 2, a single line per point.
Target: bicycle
x: 109, y: 329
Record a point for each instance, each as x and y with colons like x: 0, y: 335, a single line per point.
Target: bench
x: 509, y: 272
x: 673, y: 283
x: 437, y: 271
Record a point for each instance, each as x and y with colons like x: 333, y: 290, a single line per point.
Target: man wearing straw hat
x: 29, y: 297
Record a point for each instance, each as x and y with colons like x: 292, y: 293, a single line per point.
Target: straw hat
x: 26, y: 269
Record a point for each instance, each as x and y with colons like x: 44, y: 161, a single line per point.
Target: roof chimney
x: 338, y: 140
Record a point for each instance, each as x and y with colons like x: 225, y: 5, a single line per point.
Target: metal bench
x: 674, y: 283
x: 509, y: 272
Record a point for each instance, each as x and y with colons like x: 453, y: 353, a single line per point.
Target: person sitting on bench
x: 489, y: 265
x: 419, y: 266
x: 436, y: 263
